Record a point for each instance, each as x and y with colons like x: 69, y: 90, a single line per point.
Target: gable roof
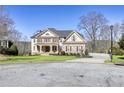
x: 60, y: 33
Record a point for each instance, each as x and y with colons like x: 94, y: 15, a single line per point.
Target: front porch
x: 47, y: 49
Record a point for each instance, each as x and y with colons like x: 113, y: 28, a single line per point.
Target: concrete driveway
x: 61, y: 74
x: 96, y: 58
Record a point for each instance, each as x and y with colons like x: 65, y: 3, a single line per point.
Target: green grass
x: 116, y: 59
x: 28, y: 59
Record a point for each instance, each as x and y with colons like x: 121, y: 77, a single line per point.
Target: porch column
x: 40, y: 49
x: 7, y: 44
x: 51, y: 49
x: 1, y: 42
x: 57, y: 48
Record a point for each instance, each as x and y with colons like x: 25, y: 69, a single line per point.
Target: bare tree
x: 14, y: 35
x: 116, y: 31
x: 122, y: 28
x: 91, y: 24
x: 7, y: 28
x: 25, y: 40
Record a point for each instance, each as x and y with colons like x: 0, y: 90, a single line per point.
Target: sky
x: 28, y: 19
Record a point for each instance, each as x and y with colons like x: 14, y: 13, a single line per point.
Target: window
x: 61, y: 39
x: 34, y: 40
x: 77, y: 48
x: 66, y: 48
x: 81, y: 47
x: 34, y: 48
x: 54, y: 48
x: 54, y: 40
x: 47, y: 40
x: 73, y: 38
x: 39, y: 40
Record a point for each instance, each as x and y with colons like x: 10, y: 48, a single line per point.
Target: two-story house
x: 51, y: 41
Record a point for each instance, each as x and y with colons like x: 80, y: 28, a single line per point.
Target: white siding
x: 77, y: 38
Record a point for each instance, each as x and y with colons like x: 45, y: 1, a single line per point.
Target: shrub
x: 13, y: 49
x: 78, y: 54
x: 62, y: 52
x: 86, y: 52
x: 1, y: 48
x: 9, y: 51
x: 71, y: 54
x: 117, y: 51
x: 66, y: 54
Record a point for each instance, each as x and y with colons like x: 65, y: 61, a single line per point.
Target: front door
x: 46, y: 48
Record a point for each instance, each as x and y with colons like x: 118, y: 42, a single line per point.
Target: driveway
x: 96, y: 58
x: 61, y: 75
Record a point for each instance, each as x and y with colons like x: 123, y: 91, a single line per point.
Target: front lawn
x: 26, y: 59
x: 117, y: 59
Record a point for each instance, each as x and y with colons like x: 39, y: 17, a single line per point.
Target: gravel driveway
x: 61, y: 74
x: 96, y: 58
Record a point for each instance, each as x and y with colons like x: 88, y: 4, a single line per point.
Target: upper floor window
x: 54, y: 40
x: 34, y: 40
x: 61, y: 39
x: 47, y: 40
x: 34, y: 48
x: 73, y: 38
x: 66, y: 48
x: 77, y: 48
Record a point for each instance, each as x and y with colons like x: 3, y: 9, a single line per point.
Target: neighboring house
x: 4, y: 43
x: 52, y: 41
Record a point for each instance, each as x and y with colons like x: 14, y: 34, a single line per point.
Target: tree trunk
x: 93, y: 45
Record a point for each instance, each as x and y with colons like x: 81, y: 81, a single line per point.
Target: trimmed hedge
x: 9, y: 51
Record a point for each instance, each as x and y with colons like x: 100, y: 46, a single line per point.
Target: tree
x: 92, y: 24
x: 7, y: 26
x: 121, y: 42
x: 14, y: 50
x: 25, y: 39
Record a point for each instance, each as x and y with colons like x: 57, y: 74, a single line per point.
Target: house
x: 52, y: 41
x: 4, y: 43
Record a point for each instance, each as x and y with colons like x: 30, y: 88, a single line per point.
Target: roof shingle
x: 61, y: 33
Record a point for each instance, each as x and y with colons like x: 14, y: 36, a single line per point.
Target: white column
x: 57, y: 48
x: 41, y: 49
x: 7, y: 44
x: 1, y: 43
x: 51, y: 49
